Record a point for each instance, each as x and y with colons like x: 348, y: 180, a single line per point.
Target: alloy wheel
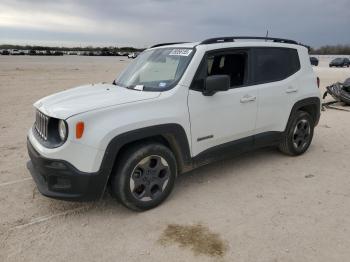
x: 301, y: 134
x: 149, y: 178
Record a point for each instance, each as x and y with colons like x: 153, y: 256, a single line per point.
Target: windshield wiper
x: 136, y: 87
x: 132, y: 87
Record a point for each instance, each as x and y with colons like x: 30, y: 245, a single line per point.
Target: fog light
x: 62, y: 183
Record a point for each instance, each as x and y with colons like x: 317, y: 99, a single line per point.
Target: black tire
x: 298, y: 135
x: 135, y: 180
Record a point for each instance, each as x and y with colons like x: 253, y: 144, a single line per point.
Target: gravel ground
x: 260, y: 206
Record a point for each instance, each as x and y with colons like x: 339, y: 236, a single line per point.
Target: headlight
x: 62, y: 129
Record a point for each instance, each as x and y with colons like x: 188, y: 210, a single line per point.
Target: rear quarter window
x: 274, y: 64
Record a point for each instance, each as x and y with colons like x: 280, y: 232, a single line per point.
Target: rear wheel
x: 145, y: 176
x: 298, y: 135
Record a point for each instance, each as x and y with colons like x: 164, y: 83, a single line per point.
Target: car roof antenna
x: 267, y: 35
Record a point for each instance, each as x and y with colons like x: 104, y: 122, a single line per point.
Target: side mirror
x: 216, y: 83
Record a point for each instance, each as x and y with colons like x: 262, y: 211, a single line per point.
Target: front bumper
x: 59, y: 179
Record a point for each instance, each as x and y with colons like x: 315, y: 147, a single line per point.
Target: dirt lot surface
x: 260, y: 206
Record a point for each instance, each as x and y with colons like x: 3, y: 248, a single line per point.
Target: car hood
x: 78, y: 100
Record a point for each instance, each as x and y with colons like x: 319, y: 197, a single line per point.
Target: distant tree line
x: 83, y: 49
x: 331, y: 50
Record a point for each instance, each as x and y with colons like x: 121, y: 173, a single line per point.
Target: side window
x: 274, y: 64
x: 234, y: 64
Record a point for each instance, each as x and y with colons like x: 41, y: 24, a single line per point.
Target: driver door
x: 227, y: 116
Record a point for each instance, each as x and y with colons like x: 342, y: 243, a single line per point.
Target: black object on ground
x: 339, y: 91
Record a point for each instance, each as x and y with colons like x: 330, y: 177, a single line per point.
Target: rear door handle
x: 248, y: 98
x: 291, y: 90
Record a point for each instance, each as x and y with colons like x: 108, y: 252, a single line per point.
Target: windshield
x: 156, y: 70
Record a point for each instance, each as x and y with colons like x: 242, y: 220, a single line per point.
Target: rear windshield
x: 156, y: 70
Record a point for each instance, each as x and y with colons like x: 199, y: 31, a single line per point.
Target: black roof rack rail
x: 233, y: 38
x: 163, y: 44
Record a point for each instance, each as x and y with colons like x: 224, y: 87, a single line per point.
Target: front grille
x: 41, y: 124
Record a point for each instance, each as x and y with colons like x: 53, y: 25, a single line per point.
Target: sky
x: 141, y: 23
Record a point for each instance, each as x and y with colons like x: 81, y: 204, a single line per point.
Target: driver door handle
x: 248, y: 98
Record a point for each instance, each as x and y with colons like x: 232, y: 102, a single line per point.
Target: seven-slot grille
x: 41, y: 124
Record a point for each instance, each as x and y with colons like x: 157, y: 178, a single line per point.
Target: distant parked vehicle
x: 58, y: 53
x: 5, y: 52
x: 15, y: 52
x: 314, y: 61
x: 340, y: 62
x: 133, y: 55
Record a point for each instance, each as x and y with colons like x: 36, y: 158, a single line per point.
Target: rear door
x: 226, y: 116
x: 275, y: 74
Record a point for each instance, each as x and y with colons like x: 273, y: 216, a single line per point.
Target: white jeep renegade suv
x: 176, y: 107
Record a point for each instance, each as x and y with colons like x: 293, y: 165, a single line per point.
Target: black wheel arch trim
x: 174, y: 134
x: 310, y: 101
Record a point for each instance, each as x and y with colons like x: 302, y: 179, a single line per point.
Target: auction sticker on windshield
x: 181, y: 52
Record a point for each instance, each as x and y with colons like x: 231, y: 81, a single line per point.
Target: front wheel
x: 145, y: 176
x: 298, y: 135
